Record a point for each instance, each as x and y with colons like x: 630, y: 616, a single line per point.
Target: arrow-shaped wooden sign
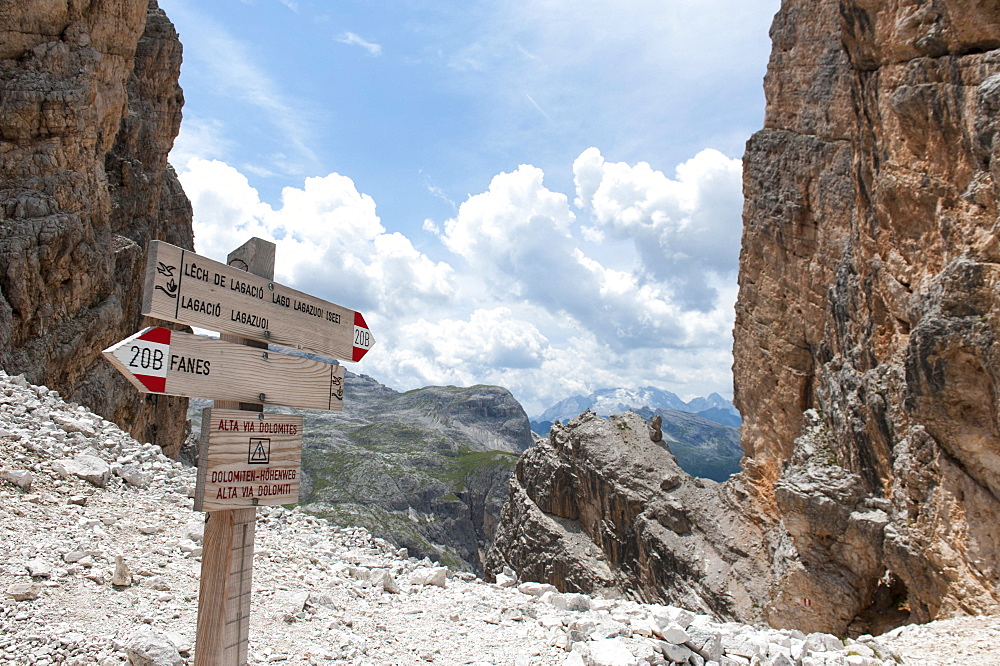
x: 159, y: 360
x: 187, y: 288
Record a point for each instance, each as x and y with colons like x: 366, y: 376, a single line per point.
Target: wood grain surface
x: 200, y: 367
x: 248, y: 459
x: 187, y: 288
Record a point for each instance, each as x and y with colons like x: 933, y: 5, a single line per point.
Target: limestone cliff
x: 89, y: 108
x: 866, y: 366
x: 426, y: 469
x: 869, y: 283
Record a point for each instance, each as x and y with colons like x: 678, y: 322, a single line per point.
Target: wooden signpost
x: 247, y: 458
x: 184, y: 287
x: 159, y: 360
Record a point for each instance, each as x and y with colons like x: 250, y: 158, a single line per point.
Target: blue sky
x: 543, y: 195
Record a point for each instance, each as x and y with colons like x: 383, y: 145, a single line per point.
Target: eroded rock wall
x: 870, y: 294
x: 600, y: 507
x: 89, y: 108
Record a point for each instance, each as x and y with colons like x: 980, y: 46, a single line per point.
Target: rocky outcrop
x: 89, y: 108
x: 703, y: 448
x: 866, y: 363
x: 599, y: 507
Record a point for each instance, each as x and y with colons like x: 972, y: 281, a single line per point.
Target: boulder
x: 429, y: 576
x: 132, y: 475
x: 150, y: 648
x: 21, y: 478
x: 610, y: 652
x: 39, y: 568
x: 122, y: 576
x: 87, y: 467
x: 23, y: 591
x: 503, y: 580
x: 382, y: 578
x: 536, y: 589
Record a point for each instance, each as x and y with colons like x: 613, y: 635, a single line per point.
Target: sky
x: 543, y: 195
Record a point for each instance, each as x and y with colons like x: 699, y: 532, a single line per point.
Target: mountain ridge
x: 615, y: 400
x: 609, y: 401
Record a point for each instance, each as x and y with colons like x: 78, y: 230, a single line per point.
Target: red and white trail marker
x: 363, y: 339
x: 143, y: 358
x: 159, y: 360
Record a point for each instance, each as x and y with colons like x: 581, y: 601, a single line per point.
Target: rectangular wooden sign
x: 159, y: 360
x: 248, y: 459
x: 184, y: 287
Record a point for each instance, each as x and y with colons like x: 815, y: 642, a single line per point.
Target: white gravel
x: 321, y: 593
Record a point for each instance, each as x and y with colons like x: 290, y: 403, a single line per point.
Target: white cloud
x: 538, y: 107
x: 204, y: 138
x: 437, y: 192
x: 330, y: 241
x: 594, y: 235
x: 227, y: 210
x: 259, y: 170
x: 513, y: 224
x: 355, y: 40
x: 685, y: 230
x: 487, y: 342
x: 518, y: 238
x: 527, y: 307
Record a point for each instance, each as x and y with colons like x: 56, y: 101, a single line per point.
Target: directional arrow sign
x: 158, y: 360
x: 184, y: 287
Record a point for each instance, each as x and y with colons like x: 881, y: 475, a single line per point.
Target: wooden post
x: 227, y: 555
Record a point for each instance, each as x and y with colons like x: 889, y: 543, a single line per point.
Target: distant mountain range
x: 703, y: 432
x: 605, y: 402
x: 703, y: 447
x: 428, y: 468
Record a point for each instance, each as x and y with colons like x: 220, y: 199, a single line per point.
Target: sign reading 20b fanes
x: 158, y: 360
x: 187, y: 288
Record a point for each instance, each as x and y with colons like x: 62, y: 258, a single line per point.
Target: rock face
x: 866, y: 360
x: 89, y: 108
x: 601, y: 507
x: 866, y: 365
x: 427, y: 468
